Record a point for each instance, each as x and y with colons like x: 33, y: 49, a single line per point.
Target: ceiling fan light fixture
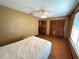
x: 43, y: 16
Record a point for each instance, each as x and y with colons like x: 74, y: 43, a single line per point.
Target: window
x: 75, y: 33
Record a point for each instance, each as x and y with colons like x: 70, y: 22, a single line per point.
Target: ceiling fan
x: 42, y: 13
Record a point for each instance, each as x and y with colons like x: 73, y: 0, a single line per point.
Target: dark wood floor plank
x: 60, y: 47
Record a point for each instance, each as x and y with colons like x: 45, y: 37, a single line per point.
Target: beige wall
x: 48, y: 27
x: 15, y: 25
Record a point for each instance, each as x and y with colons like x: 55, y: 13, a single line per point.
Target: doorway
x: 42, y: 27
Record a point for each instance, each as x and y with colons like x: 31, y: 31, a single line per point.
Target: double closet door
x: 57, y: 28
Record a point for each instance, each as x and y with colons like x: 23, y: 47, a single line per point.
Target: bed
x: 28, y: 48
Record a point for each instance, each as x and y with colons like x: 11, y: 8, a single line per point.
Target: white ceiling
x: 58, y: 7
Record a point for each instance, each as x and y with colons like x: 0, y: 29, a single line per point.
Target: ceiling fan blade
x: 31, y: 8
x: 49, y: 13
x: 37, y: 11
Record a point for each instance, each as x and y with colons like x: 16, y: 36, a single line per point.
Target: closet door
x: 42, y: 27
x: 57, y: 28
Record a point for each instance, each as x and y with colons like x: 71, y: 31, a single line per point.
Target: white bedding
x: 29, y: 48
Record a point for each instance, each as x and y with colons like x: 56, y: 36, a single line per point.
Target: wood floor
x: 60, y: 48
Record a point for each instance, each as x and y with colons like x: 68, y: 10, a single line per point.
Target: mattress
x: 28, y: 48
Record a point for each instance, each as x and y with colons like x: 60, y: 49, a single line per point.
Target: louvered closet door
x: 42, y: 27
x: 57, y: 28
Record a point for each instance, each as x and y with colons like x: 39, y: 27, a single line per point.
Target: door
x: 42, y: 27
x: 57, y: 28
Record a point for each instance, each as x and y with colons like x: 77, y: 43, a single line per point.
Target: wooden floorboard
x: 60, y: 47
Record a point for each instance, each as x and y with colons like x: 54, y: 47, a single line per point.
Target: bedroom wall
x: 15, y: 25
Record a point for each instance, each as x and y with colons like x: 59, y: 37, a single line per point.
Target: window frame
x: 73, y: 44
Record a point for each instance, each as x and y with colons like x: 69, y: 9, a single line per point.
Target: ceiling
x: 58, y: 7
